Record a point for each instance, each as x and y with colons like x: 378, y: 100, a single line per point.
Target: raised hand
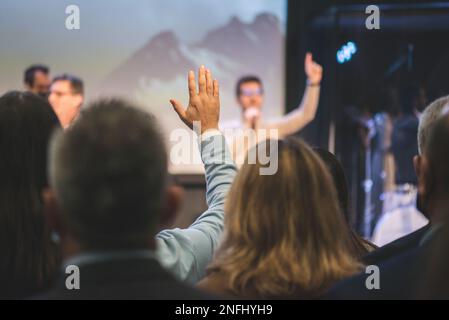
x: 313, y: 70
x: 204, y: 104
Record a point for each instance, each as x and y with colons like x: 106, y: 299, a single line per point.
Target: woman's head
x: 284, y: 233
x: 338, y: 177
x: 26, y: 123
x: 360, y: 246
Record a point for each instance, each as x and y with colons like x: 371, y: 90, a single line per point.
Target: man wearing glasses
x: 250, y: 96
x: 66, y: 98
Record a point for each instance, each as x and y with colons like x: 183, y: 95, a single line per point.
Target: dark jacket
x: 135, y: 279
x: 396, y: 247
x: 400, y: 276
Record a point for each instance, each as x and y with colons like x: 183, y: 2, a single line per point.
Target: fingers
x: 209, y: 83
x: 309, y: 59
x: 202, y: 80
x: 216, y: 89
x: 192, y: 84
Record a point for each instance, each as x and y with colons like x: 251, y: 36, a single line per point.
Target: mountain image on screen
x: 159, y: 68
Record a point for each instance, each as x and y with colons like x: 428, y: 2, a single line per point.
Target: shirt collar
x: 102, y: 256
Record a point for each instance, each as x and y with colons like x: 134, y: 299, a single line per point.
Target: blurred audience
x: 286, y: 238
x: 37, y: 80
x: 402, y: 217
x: 401, y: 277
x: 28, y: 255
x: 66, y: 98
x: 103, y: 200
x: 428, y: 118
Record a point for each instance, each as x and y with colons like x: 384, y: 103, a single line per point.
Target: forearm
x: 220, y: 169
x: 302, y: 115
x: 187, y: 252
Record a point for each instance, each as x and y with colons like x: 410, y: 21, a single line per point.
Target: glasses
x: 61, y: 94
x: 251, y: 93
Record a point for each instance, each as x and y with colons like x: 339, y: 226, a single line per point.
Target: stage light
x: 346, y: 52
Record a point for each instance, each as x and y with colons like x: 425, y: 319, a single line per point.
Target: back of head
x: 284, y: 233
x: 26, y: 124
x: 431, y: 114
x: 338, y: 177
x: 435, y: 283
x: 437, y: 153
x: 28, y: 76
x: 360, y: 246
x: 108, y: 172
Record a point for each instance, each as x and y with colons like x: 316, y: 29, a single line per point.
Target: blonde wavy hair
x: 285, y: 235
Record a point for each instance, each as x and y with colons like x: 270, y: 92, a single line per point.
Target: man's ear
x: 424, y: 176
x: 173, y: 200
x: 52, y: 213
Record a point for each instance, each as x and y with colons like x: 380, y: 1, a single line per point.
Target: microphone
x: 252, y: 114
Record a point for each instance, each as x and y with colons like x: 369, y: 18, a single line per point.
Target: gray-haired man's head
x: 431, y: 114
x: 108, y: 174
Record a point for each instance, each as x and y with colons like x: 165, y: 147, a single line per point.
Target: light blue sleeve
x: 187, y: 252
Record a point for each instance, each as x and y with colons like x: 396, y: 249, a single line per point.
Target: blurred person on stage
x: 250, y: 97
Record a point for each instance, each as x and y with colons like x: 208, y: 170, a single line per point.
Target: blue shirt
x: 187, y: 252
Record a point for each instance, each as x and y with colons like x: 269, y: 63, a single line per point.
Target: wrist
x: 209, y: 129
x: 209, y: 133
x: 311, y: 83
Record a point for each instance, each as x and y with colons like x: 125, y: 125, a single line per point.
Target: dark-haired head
x: 339, y: 178
x: 249, y: 92
x: 245, y: 80
x: 28, y: 257
x: 108, y: 177
x: 37, y: 79
x: 360, y: 246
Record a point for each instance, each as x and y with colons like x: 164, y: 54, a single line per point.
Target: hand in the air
x: 313, y: 70
x: 204, y: 105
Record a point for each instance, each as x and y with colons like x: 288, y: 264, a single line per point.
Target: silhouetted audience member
x: 431, y: 114
x: 361, y: 247
x: 28, y: 257
x: 434, y: 283
x: 401, y: 276
x: 66, y: 98
x: 109, y: 198
x: 37, y: 80
x: 285, y: 236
